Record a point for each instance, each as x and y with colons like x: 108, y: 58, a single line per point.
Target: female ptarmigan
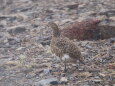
x: 63, y: 47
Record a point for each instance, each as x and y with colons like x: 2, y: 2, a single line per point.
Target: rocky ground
x: 25, y: 57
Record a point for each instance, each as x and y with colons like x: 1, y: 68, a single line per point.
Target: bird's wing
x: 57, y: 51
x: 64, y: 45
x: 67, y: 46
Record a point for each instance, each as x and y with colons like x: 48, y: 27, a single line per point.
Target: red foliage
x: 83, y: 30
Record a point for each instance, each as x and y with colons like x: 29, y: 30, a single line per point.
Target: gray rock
x: 64, y: 80
x: 97, y: 81
x: 2, y: 4
x: 1, y: 26
x: 72, y: 6
x: 107, y: 12
x: 46, y: 82
x: 10, y: 18
x: 44, y: 40
x: 88, y: 46
x: 21, y: 9
x: 107, y: 31
x: 83, y: 44
x: 17, y: 29
x: 46, y: 71
x: 1, y: 36
x: 24, y: 0
x: 13, y: 41
x: 112, y: 18
x: 2, y: 17
x: 112, y: 40
x: 86, y: 85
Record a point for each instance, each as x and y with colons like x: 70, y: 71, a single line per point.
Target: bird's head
x: 53, y: 25
x: 55, y: 29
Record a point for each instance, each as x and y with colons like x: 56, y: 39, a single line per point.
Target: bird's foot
x: 65, y: 69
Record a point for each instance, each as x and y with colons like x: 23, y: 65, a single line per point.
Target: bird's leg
x: 65, y: 66
x: 77, y: 64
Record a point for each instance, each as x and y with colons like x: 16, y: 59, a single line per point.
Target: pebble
x: 97, y: 80
x: 112, y: 40
x: 13, y: 41
x: 46, y: 71
x: 64, y: 80
x: 88, y: 46
x: 72, y: 6
x: 17, y: 29
x: 44, y: 40
x: 83, y: 44
x: 20, y: 48
x: 108, y: 12
x: 46, y: 82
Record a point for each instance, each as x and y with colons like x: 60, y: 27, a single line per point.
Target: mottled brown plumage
x: 61, y: 46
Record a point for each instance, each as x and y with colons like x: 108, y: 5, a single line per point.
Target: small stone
x: 3, y: 17
x: 2, y: 3
x: 112, y: 18
x: 97, y: 80
x: 54, y: 83
x: 108, y: 85
x: 83, y: 44
x: 108, y: 12
x: 82, y: 5
x: 106, y: 30
x: 1, y: 26
x: 96, y: 77
x: 55, y: 65
x: 72, y: 6
x: 49, y: 11
x: 88, y: 46
x: 16, y: 29
x: 81, y: 69
x: 46, y: 71
x: 112, y: 40
x: 13, y: 41
x: 64, y: 80
x: 8, y: 17
x: 74, y: 65
x: 44, y: 40
x: 46, y: 82
x: 24, y: 1
x: 21, y: 9
x: 101, y: 74
x: 20, y: 48
x: 84, y: 53
x: 86, y: 85
x: 65, y: 21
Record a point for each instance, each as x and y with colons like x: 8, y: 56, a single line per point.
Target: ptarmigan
x: 63, y: 47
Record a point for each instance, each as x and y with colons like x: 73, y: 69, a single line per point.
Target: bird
x: 63, y: 47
